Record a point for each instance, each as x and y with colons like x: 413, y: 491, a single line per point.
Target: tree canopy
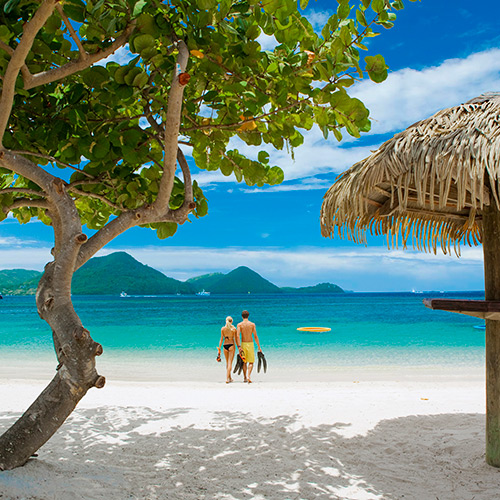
x: 116, y: 127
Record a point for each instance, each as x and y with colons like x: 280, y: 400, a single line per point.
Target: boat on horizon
x: 123, y: 294
x: 203, y: 293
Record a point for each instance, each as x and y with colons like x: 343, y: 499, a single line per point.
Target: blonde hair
x: 229, y: 323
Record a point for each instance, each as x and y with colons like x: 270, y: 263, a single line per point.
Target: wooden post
x: 491, y: 251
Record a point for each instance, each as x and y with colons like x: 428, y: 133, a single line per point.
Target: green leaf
x: 166, y: 230
x: 5, y: 34
x: 276, y: 175
x: 139, y: 7
x: 143, y: 42
x: 207, y: 4
x: 343, y: 10
x: 10, y: 6
x: 303, y: 4
x: 271, y: 6
x: 53, y: 23
x: 202, y: 208
x: 95, y: 76
x: 378, y: 6
x: 75, y: 9
x: 263, y: 156
x: 376, y: 68
x: 360, y: 17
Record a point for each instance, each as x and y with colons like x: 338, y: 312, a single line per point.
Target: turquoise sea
x: 367, y: 329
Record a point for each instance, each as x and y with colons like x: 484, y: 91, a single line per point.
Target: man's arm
x: 237, y: 338
x: 255, y: 337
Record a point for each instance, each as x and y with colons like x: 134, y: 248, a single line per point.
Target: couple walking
x: 231, y: 336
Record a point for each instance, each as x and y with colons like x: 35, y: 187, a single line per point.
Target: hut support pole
x: 491, y: 250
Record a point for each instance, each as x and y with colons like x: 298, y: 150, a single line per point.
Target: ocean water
x: 367, y: 329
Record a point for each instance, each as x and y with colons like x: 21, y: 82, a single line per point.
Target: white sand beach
x: 362, y: 434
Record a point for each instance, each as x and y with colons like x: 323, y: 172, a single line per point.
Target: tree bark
x: 491, y: 251
x: 76, y: 373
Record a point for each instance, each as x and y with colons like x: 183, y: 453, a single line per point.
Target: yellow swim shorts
x: 249, y: 351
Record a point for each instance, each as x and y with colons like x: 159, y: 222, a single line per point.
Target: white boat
x: 203, y: 293
x: 123, y: 294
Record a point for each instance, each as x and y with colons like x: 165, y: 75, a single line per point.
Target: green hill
x: 205, y: 281
x: 242, y: 280
x: 119, y: 272
x: 320, y: 288
x: 19, y: 281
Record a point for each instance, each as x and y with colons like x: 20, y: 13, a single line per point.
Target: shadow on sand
x: 111, y: 453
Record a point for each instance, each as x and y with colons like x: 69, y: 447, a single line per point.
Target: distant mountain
x: 320, y: 288
x: 242, y: 280
x: 205, y: 281
x: 119, y: 272
x: 19, y: 281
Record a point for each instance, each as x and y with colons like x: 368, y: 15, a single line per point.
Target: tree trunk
x: 491, y: 251
x: 76, y: 373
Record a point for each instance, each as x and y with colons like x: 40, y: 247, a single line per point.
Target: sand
x: 363, y: 434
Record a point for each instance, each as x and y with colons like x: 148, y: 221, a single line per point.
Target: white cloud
x: 267, y: 42
x: 9, y: 240
x: 407, y: 96
x: 318, y: 18
x: 17, y: 256
x: 306, y: 185
x: 315, y: 157
x: 121, y: 56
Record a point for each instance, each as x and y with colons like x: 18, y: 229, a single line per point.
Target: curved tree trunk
x: 76, y: 372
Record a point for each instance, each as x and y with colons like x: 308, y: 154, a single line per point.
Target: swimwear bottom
x: 228, y: 346
x: 248, y: 349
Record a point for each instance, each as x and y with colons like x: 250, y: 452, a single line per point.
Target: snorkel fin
x: 262, y: 361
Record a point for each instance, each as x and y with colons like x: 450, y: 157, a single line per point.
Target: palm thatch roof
x: 427, y: 185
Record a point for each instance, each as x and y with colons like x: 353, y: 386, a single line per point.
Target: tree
x: 88, y: 144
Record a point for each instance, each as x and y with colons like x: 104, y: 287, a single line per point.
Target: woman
x: 228, y: 340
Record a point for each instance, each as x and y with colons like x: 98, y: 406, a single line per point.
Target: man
x: 248, y: 333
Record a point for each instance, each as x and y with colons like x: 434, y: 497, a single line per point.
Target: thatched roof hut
x: 427, y: 185
x: 436, y: 184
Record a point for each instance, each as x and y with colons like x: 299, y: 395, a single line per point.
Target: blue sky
x: 439, y: 54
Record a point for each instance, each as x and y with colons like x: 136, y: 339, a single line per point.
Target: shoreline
x: 144, y: 367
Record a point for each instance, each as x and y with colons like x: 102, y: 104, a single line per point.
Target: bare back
x: 247, y: 328
x: 228, y: 334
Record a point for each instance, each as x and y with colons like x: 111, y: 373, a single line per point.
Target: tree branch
x: 172, y: 126
x: 24, y: 69
x: 6, y: 48
x: 186, y: 173
x: 22, y: 166
x: 73, y: 67
x: 18, y: 59
x: 76, y: 39
x: 181, y: 214
x: 242, y: 122
x: 32, y: 192
x: 95, y: 196
x: 26, y: 202
x: 55, y: 160
x: 110, y: 231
